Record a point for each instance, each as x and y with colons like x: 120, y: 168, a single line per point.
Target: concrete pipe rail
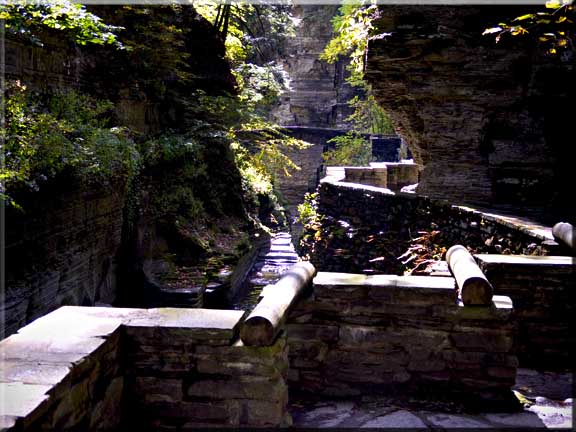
x: 474, y: 289
x: 563, y: 233
x: 266, y: 320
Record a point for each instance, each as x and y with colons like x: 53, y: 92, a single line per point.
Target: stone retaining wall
x: 543, y: 290
x: 157, y: 369
x: 366, y: 229
x: 62, y: 249
x: 374, y: 206
x: 360, y: 334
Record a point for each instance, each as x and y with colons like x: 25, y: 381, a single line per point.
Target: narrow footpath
x: 548, y: 397
x: 271, y: 264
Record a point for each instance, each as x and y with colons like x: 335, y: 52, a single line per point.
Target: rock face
x: 61, y: 250
x: 75, y: 238
x: 489, y: 123
x: 318, y: 92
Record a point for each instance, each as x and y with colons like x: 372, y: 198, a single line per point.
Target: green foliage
x: 260, y: 86
x: 252, y: 36
x: 554, y: 27
x: 29, y: 18
x: 368, y: 116
x: 253, y: 32
x: 45, y: 135
x: 351, y: 149
x: 308, y: 210
x: 352, y: 27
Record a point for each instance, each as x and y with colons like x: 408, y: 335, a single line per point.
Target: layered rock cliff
x: 318, y: 92
x: 489, y: 123
x: 80, y: 242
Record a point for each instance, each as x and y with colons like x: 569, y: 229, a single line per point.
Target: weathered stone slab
x: 157, y: 389
x: 244, y: 387
x: 374, y: 176
x: 324, y: 333
x: 395, y: 420
x: 8, y: 422
x: 488, y: 341
x: 219, y: 412
x: 210, y: 366
x: 23, y: 400
x: 542, y: 262
x: 263, y: 413
x: 30, y: 347
x: 201, y: 323
x: 451, y: 421
x: 33, y: 372
x: 74, y: 321
x: 500, y: 311
x: 386, y: 288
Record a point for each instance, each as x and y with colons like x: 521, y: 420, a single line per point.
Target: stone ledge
x: 386, y: 288
x: 52, y: 368
x: 542, y: 262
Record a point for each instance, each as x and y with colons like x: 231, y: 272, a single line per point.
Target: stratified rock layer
x: 318, y: 95
x: 490, y: 123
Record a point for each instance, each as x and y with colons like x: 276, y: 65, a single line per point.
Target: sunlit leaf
x: 524, y: 17
x: 492, y: 30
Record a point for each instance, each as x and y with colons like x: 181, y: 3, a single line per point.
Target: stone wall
x: 543, y: 291
x: 357, y: 335
x: 488, y: 122
x: 61, y: 249
x: 155, y: 369
x: 366, y: 229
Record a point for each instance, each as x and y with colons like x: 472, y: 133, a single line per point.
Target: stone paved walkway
x: 271, y: 264
x: 547, y: 397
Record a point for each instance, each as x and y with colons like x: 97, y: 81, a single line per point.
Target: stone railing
x: 360, y: 334
x: 103, y: 368
x: 373, y: 207
x: 543, y: 289
x: 391, y: 175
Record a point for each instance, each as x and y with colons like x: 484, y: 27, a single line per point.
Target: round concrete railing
x: 266, y: 320
x: 563, y: 233
x: 473, y: 287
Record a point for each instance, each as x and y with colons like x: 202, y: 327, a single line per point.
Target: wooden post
x: 474, y: 288
x: 266, y: 320
x: 563, y: 233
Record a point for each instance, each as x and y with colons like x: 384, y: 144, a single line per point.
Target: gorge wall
x: 318, y: 92
x: 72, y: 240
x: 489, y: 123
